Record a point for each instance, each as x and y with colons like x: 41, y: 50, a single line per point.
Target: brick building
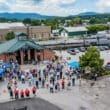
x: 23, y: 50
x: 34, y: 32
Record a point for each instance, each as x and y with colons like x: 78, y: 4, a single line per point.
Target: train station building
x: 23, y: 50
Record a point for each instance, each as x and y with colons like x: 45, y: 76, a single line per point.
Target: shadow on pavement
x: 28, y: 104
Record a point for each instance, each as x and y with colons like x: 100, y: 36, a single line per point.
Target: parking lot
x: 105, y: 54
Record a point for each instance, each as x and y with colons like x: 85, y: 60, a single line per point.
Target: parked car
x: 71, y: 51
x: 107, y: 67
x: 106, y: 47
x: 76, y: 50
x: 82, y: 49
x: 101, y: 48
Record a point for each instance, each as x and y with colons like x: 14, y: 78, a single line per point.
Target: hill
x: 87, y: 13
x: 23, y: 16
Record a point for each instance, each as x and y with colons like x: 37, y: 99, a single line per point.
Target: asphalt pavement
x: 28, y: 104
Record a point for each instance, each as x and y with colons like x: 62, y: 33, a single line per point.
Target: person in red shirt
x: 16, y: 92
x: 27, y: 92
x: 34, y: 90
x: 63, y: 83
x: 22, y: 93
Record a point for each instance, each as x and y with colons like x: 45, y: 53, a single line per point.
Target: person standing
x: 8, y: 87
x: 16, y: 92
x: 95, y: 77
x: 43, y: 83
x: 73, y: 80
x: 15, y: 83
x: 47, y: 84
x: 37, y: 83
x: 34, y: 90
x: 22, y: 93
x: 68, y: 84
x: 23, y: 78
x: 63, y: 83
x: 58, y: 75
x: 61, y: 74
x: 56, y: 87
x: 30, y: 82
x: 51, y: 87
x: 11, y: 93
x: 27, y: 92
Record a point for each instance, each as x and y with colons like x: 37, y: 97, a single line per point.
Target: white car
x: 76, y: 50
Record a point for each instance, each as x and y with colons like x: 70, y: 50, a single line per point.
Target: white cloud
x: 61, y: 1
x: 47, y: 7
x: 103, y: 5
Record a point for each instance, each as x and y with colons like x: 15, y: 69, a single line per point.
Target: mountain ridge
x: 22, y: 16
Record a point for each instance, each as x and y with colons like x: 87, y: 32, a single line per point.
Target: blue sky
x: 55, y: 7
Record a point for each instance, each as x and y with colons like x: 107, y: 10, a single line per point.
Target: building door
x: 18, y: 57
x: 25, y: 56
x: 32, y: 54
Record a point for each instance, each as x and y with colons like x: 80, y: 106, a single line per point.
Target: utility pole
x: 84, y: 41
x: 27, y: 26
x: 98, y: 41
x: 108, y: 27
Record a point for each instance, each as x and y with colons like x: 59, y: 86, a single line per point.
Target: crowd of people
x: 54, y: 75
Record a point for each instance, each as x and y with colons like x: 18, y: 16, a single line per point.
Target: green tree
x: 54, y: 23
x: 96, y: 20
x: 95, y: 28
x: 91, y: 59
x: 27, y: 21
x: 35, y: 22
x: 10, y: 36
x: 76, y: 21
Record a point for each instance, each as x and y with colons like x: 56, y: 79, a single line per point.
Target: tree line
x: 93, y: 23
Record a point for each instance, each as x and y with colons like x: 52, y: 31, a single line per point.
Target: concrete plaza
x: 82, y: 97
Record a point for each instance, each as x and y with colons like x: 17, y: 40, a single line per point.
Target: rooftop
x: 75, y: 29
x: 11, y: 25
x: 17, y: 43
